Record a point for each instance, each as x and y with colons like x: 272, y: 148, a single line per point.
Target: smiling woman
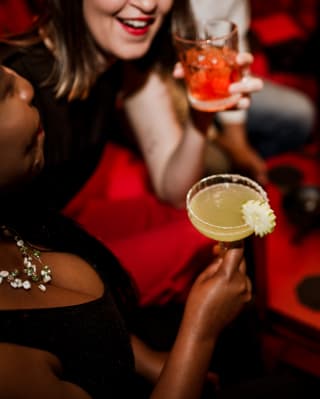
x: 125, y: 29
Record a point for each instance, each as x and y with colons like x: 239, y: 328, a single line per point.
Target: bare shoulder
x: 32, y: 373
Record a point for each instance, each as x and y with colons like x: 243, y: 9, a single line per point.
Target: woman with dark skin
x: 89, y: 51
x: 54, y: 340
x: 65, y: 328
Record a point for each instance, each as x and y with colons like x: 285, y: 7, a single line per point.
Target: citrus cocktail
x: 229, y: 208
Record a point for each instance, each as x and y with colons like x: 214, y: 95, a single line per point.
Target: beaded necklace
x: 31, y: 257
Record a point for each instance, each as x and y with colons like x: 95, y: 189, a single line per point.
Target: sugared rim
x: 251, y: 184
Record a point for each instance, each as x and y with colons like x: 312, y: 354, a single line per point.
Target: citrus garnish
x: 259, y: 216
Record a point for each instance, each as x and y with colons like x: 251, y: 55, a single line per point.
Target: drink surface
x: 208, y: 72
x: 216, y: 211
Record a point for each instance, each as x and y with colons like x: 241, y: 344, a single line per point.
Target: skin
x: 243, y: 156
x: 165, y: 144
x: 233, y: 136
x: 168, y: 146
x: 111, y: 24
x: 217, y: 296
x: 20, y: 122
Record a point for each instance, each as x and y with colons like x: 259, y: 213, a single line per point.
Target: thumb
x: 178, y: 72
x: 232, y: 260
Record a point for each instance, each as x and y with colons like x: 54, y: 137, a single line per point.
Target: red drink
x: 208, y: 72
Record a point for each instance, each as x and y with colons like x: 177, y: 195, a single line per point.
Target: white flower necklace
x: 31, y: 257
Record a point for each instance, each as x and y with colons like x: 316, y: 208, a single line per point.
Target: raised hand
x: 218, y: 295
x: 247, y: 85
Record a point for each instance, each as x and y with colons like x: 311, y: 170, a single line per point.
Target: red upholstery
x: 155, y: 242
x: 281, y: 23
x: 15, y: 16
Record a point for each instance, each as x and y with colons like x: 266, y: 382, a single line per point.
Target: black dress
x: 91, y: 339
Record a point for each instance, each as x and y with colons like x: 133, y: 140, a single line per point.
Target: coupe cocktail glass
x: 214, y: 206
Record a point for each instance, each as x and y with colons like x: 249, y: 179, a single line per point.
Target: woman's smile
x: 136, y: 26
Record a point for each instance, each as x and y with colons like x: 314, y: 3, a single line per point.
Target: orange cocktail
x: 208, y: 72
x: 207, y: 50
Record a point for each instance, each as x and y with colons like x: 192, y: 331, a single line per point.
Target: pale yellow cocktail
x: 215, y: 206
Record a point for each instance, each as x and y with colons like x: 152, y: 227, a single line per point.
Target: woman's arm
x: 27, y: 373
x: 148, y: 362
x: 218, y: 295
x: 216, y: 298
x: 233, y: 139
x: 174, y: 152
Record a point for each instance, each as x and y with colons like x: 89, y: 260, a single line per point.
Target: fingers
x: 232, y: 260
x: 211, y: 269
x: 248, y: 291
x: 243, y: 267
x: 247, y: 84
x: 244, y: 103
x: 178, y: 72
x: 244, y: 59
x: 216, y: 249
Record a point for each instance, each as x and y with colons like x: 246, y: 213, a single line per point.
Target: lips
x: 136, y: 26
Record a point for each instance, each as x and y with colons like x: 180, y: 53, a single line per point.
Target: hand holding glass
x: 207, y: 50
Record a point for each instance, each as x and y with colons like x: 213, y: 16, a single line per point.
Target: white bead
x: 46, y: 278
x: 42, y: 287
x: 14, y: 284
x: 26, y: 285
x: 20, y: 243
x: 18, y: 281
x: 4, y: 273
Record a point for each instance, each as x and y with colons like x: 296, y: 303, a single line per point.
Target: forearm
x: 148, y: 362
x: 233, y: 136
x: 186, y: 164
x: 173, y: 150
x: 185, y: 371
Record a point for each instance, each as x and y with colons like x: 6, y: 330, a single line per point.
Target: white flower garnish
x: 259, y: 216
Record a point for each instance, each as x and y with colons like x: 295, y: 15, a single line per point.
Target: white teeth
x: 135, y: 24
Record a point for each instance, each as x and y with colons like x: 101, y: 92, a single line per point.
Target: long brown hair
x: 76, y: 67
x: 77, y: 63
x: 62, y: 27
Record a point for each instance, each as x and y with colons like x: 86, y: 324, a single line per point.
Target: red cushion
x: 155, y: 242
x: 277, y: 28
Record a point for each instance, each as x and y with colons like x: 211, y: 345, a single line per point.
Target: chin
x: 133, y: 52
